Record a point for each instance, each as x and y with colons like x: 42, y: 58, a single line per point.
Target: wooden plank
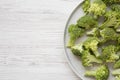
x: 31, y: 39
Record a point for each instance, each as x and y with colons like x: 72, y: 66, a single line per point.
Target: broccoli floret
x: 75, y: 32
x: 98, y: 8
x: 87, y: 22
x: 108, y: 34
x: 110, y: 14
x: 101, y: 73
x: 109, y: 53
x: 117, y: 64
x: 94, y: 32
x: 77, y: 49
x: 92, y: 44
x: 86, y: 5
x: 115, y: 7
x: 112, y: 19
x: 113, y: 22
x: 109, y: 2
x: 88, y: 59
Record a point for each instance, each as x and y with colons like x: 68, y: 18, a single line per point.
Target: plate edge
x: 67, y: 57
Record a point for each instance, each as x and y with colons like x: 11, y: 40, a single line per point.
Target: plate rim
x: 65, y: 49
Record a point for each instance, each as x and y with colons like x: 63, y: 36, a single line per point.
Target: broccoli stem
x: 96, y: 53
x: 118, y: 30
x: 71, y: 43
x: 116, y: 72
x: 117, y: 25
x: 115, y: 56
x: 104, y: 24
x: 90, y: 73
x: 95, y: 16
x: 93, y: 59
x: 117, y: 77
x: 117, y: 64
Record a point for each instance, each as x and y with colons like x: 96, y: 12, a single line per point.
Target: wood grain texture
x: 31, y: 39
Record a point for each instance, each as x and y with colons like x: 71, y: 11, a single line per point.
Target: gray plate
x: 74, y: 61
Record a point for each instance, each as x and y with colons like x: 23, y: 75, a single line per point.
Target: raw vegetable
x: 102, y: 43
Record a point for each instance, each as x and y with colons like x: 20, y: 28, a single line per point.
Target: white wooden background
x: 31, y: 39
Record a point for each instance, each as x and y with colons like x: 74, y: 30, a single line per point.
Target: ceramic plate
x: 73, y: 60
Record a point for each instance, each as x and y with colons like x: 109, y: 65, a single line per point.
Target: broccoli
x: 115, y: 7
x: 87, y: 22
x: 100, y: 39
x: 75, y: 32
x: 110, y: 14
x: 117, y: 64
x: 118, y: 30
x: 117, y: 77
x: 94, y: 32
x: 116, y: 72
x: 86, y: 5
x: 109, y: 53
x: 92, y: 44
x: 98, y: 8
x: 112, y: 19
x: 109, y: 2
x: 87, y: 58
x: 113, y: 22
x: 101, y: 73
x: 108, y: 34
x: 118, y: 39
x: 77, y: 49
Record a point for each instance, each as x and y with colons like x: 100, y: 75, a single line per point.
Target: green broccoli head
x: 112, y: 19
x: 98, y: 8
x: 109, y: 53
x: 86, y: 5
x: 117, y: 64
x: 108, y: 34
x: 94, y: 32
x: 88, y: 58
x: 77, y: 49
x: 92, y: 44
x: 110, y: 14
x: 115, y: 7
x: 75, y: 32
x: 101, y: 73
x: 109, y: 2
x: 87, y: 22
